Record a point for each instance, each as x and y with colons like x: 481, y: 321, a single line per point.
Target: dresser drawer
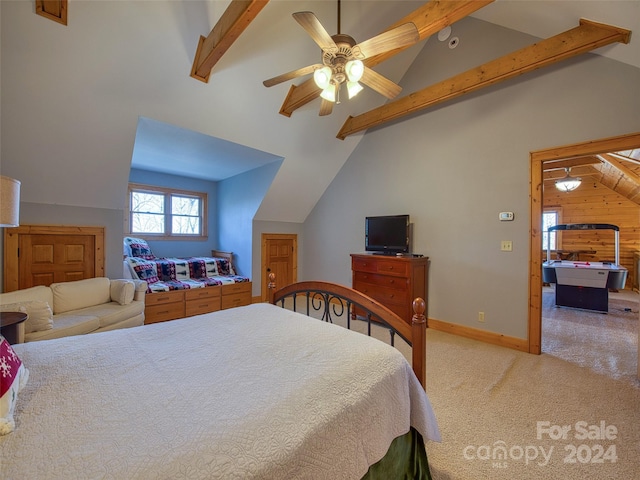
x: 163, y: 312
x: 388, y: 281
x: 197, y: 307
x: 377, y: 265
x: 206, y: 293
x: 383, y: 294
x: 164, y: 297
x: 237, y: 300
x: 236, y: 288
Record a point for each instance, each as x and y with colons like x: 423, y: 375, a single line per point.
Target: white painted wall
x: 454, y: 167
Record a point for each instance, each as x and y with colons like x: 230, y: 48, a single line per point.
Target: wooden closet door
x: 45, y: 259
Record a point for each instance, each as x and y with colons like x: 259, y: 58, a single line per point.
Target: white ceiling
x: 166, y: 148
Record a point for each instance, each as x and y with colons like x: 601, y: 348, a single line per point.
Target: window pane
x: 147, y: 202
x: 185, y: 213
x: 186, y: 225
x: 549, y: 219
x: 185, y: 206
x: 147, y: 223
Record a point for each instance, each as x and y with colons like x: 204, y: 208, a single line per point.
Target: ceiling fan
x: 342, y: 60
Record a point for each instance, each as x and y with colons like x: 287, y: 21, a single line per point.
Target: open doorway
x: 539, y: 160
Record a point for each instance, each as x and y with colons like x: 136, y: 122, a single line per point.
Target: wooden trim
x: 236, y: 18
x: 11, y: 272
x: 167, y: 192
x: 581, y: 39
x: 55, y: 10
x: 515, y: 343
x: 594, y: 147
x: 264, y: 287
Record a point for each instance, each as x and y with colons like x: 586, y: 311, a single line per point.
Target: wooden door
x: 279, y: 256
x: 43, y: 254
x: 45, y: 259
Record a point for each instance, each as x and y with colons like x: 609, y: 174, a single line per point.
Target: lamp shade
x: 9, y: 202
x: 568, y: 183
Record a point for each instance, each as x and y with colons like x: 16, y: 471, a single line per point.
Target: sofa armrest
x: 141, y: 290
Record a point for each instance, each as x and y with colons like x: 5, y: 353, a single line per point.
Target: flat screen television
x: 388, y: 234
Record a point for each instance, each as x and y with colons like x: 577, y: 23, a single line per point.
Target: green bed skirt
x: 406, y: 459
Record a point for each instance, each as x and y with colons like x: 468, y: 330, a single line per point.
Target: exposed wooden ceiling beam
x: 236, y: 18
x: 628, y: 173
x: 55, y: 10
x: 430, y: 18
x: 584, y: 38
x: 569, y: 163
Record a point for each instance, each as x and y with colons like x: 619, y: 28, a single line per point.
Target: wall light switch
x: 505, y: 216
x: 506, y: 245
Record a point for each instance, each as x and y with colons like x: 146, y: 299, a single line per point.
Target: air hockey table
x: 585, y: 284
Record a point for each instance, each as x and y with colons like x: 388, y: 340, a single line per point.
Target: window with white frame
x: 550, y: 218
x: 165, y: 212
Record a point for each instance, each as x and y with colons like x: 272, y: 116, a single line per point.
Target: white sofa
x: 79, y: 307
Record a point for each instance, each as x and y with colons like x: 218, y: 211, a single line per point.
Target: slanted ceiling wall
x: 455, y: 167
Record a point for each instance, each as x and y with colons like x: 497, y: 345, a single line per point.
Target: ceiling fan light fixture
x: 322, y: 77
x: 354, y: 70
x: 353, y: 88
x: 568, y: 183
x: 329, y: 93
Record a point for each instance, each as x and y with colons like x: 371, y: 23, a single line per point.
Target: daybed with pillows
x: 185, y: 286
x: 74, y: 308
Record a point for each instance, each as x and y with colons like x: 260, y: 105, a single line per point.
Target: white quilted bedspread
x: 255, y: 392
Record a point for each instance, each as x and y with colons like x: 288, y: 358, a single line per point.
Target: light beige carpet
x: 490, y: 400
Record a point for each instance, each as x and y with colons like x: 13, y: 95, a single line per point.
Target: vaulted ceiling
x: 130, y: 59
x: 618, y: 171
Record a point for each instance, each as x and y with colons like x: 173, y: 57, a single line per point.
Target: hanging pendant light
x: 568, y: 183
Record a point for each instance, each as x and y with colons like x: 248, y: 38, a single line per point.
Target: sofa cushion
x: 14, y: 377
x: 122, y: 291
x: 112, y: 313
x: 69, y: 296
x: 39, y: 293
x: 40, y: 316
x: 66, y: 325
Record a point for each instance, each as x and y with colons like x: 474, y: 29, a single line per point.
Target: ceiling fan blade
x: 380, y: 84
x: 326, y: 107
x: 402, y: 36
x: 314, y: 28
x: 301, y: 72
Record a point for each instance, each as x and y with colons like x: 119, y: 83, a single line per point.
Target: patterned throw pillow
x: 144, y: 269
x: 13, y: 376
x: 137, y: 247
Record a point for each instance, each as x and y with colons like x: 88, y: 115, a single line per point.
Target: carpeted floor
x: 501, y: 412
x: 605, y: 343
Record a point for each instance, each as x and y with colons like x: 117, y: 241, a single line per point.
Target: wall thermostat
x: 506, y: 216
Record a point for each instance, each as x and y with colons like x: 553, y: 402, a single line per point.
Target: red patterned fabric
x: 13, y: 376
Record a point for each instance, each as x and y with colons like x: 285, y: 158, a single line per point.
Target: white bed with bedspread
x: 251, y: 392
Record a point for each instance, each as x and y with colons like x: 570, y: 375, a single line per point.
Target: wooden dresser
x: 163, y: 306
x: 394, y: 281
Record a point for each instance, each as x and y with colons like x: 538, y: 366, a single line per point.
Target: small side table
x: 12, y: 326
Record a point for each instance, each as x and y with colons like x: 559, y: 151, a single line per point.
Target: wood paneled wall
x: 592, y: 202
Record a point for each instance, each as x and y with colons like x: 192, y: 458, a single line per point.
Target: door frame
x: 11, y: 272
x: 264, y: 294
x: 623, y: 142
